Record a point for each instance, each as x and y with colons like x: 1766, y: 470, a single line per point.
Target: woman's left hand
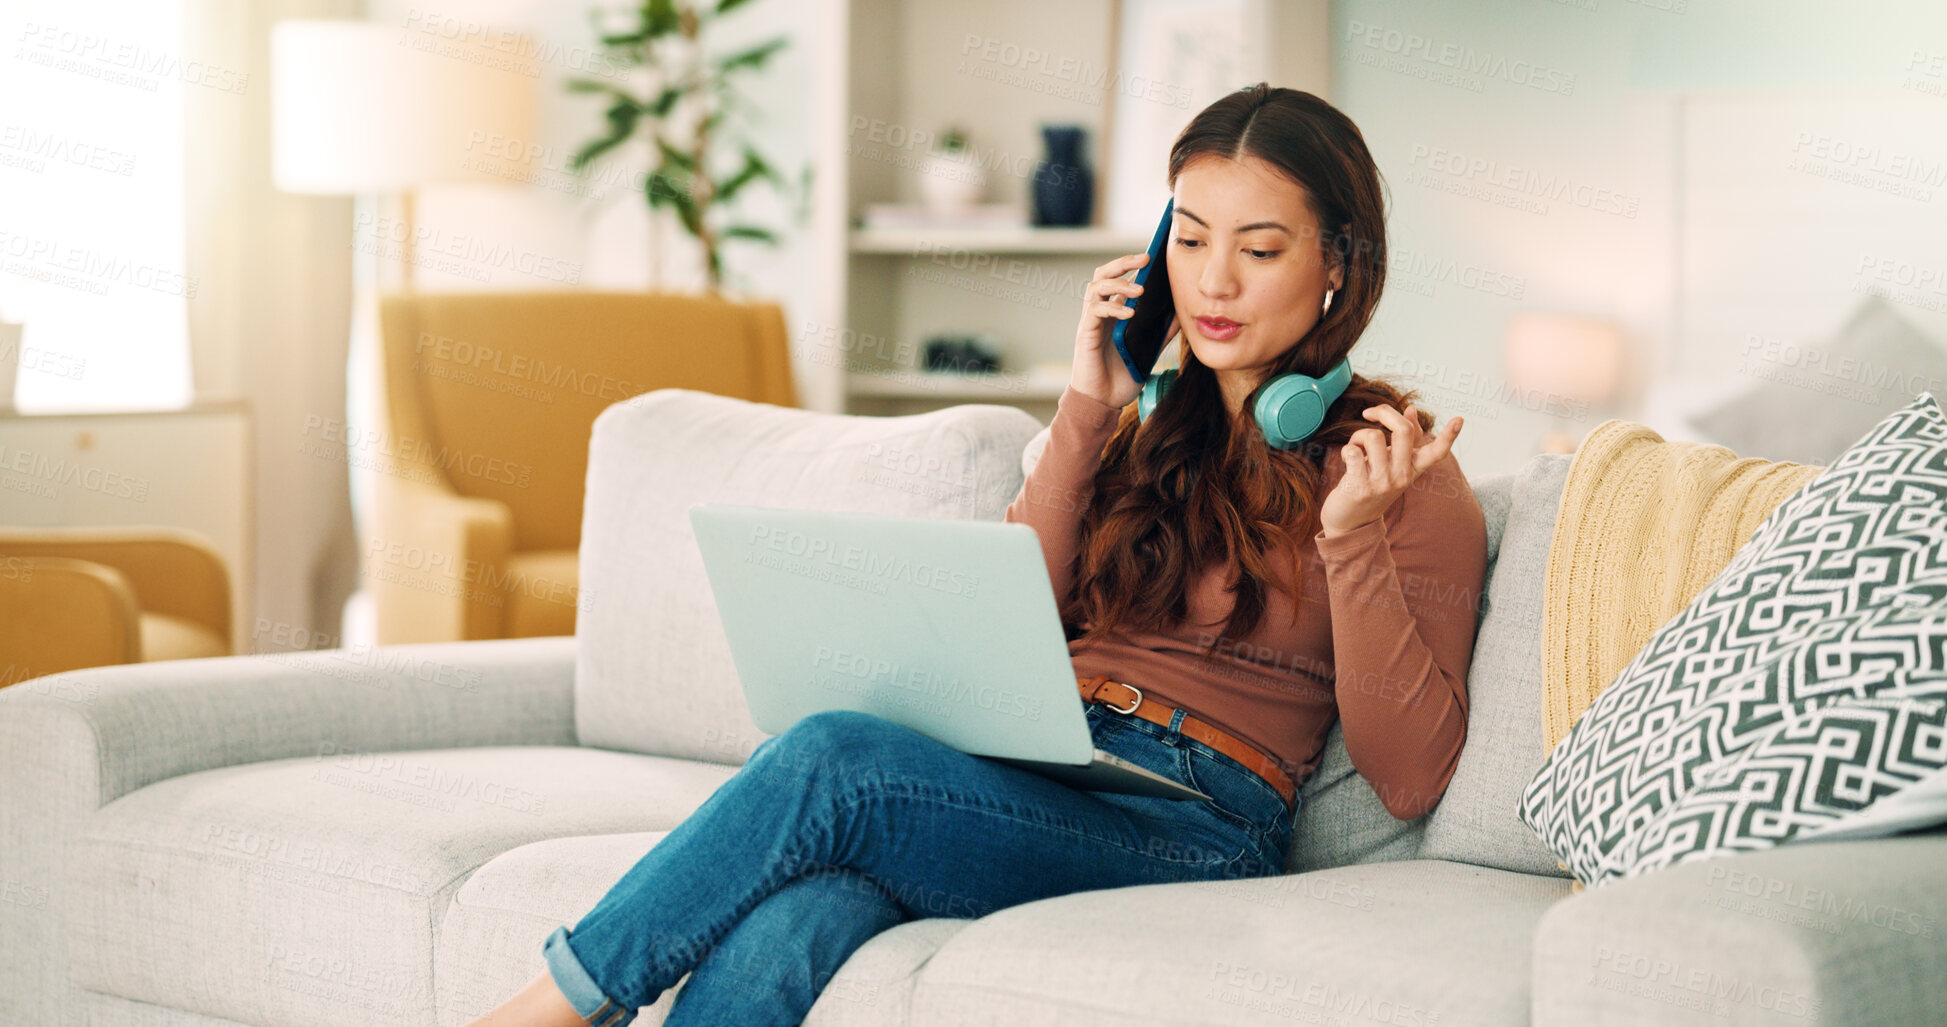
x: 1378, y: 467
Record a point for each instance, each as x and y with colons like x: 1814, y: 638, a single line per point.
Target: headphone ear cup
x: 1152, y: 393
x: 1289, y: 410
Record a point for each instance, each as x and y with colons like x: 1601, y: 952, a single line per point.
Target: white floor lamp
x: 368, y: 110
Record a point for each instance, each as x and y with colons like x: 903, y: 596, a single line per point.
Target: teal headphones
x: 1288, y: 409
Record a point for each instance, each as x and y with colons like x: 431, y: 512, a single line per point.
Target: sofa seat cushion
x: 541, y: 592
x: 175, y: 638
x: 311, y: 890
x: 490, y: 940
x: 1410, y: 942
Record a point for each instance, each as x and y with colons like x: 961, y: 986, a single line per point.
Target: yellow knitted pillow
x: 1644, y: 525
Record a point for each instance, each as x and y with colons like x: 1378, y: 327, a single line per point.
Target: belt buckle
x: 1133, y: 705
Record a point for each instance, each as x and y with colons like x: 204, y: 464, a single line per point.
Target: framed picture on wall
x: 1173, y: 57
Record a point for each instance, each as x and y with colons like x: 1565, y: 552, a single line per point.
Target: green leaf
x: 726, y: 6
x: 675, y: 156
x: 595, y: 149
x: 588, y: 85
x: 754, y: 168
x: 665, y: 102
x: 752, y: 232
x: 662, y: 188
x: 753, y: 57
x: 686, y: 211
x: 659, y: 17
x: 763, y: 166
x: 803, y: 210
x: 622, y: 116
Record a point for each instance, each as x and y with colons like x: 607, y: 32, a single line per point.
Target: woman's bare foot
x: 540, y: 1004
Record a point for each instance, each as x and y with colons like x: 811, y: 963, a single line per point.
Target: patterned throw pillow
x: 1805, y: 682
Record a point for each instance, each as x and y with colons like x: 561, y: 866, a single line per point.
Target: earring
x: 1328, y: 304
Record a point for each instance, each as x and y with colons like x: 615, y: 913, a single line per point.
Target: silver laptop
x: 945, y: 626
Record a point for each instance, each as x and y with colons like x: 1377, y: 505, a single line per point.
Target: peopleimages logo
x: 833, y: 666
x: 63, y: 150
x: 40, y: 258
x: 414, y: 454
x: 1823, y: 901
x: 1456, y: 58
x: 1011, y: 64
x: 520, y: 367
x: 1527, y: 182
x: 765, y: 539
x: 55, y: 470
x: 120, y: 62
x: 456, y: 252
x: 1704, y: 989
x: 512, y: 43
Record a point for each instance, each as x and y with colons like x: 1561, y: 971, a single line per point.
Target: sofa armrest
x: 58, y: 614
x: 103, y: 732
x: 1851, y: 932
x: 73, y: 742
x: 428, y: 562
x: 173, y: 571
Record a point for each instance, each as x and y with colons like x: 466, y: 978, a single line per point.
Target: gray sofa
x: 385, y: 836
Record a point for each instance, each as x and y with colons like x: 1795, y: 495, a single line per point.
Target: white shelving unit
x: 896, y: 75
x: 995, y: 240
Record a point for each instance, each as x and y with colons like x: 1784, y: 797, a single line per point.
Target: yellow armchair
x: 90, y: 597
x: 489, y: 400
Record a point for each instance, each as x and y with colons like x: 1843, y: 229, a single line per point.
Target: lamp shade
x: 361, y: 107
x: 1570, y: 356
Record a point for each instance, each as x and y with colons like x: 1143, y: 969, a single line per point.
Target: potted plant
x: 949, y: 183
x: 700, y: 162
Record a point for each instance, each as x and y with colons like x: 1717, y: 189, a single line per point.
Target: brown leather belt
x: 1128, y: 699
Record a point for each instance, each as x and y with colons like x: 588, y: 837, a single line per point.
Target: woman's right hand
x: 1098, y: 371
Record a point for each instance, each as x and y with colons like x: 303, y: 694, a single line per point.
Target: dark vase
x: 1064, y: 184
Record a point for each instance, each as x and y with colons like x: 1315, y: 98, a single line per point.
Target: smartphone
x: 1139, y: 338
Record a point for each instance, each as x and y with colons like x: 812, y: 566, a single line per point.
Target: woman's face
x: 1245, y: 264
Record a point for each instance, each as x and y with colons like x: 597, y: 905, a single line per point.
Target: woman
x: 1162, y: 537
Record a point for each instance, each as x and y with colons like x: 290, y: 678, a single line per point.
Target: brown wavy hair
x: 1193, y: 487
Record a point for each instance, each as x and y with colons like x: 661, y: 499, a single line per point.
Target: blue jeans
x: 848, y: 824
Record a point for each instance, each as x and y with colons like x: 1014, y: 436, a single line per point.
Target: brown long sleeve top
x: 1380, y: 637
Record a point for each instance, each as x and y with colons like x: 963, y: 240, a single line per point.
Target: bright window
x: 91, y: 201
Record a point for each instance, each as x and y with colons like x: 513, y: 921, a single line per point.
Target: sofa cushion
x: 1408, y: 942
x: 1769, y: 420
x: 1340, y: 820
x: 653, y: 672
x: 311, y: 889
x: 1477, y: 821
x: 177, y: 638
x: 490, y: 940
